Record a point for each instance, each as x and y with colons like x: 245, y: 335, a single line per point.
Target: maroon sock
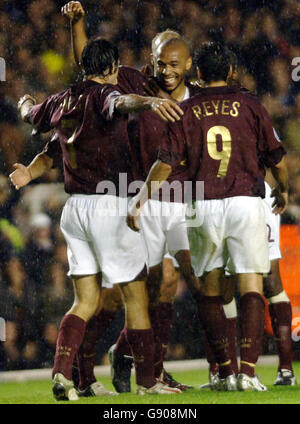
x: 252, y: 330
x: 231, y: 327
x: 122, y: 345
x: 281, y: 317
x: 212, y: 317
x: 161, y: 317
x: 142, y: 346
x: 70, y: 336
x: 86, y: 357
x: 210, y: 356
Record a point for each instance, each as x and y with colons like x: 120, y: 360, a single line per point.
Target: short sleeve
x: 53, y: 150
x: 270, y: 145
x: 40, y: 115
x: 172, y: 148
x: 107, y: 100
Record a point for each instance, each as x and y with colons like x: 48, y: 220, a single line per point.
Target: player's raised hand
x: 24, y: 99
x: 73, y: 10
x: 280, y: 201
x: 21, y: 176
x: 167, y: 109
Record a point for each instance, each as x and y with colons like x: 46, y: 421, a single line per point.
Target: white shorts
x: 273, y: 225
x: 233, y: 233
x: 164, y: 229
x: 99, y: 239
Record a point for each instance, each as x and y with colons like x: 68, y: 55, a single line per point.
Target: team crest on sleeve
x: 276, y: 135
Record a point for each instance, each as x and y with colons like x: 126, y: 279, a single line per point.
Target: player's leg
x: 212, y: 317
x: 248, y: 253
x: 230, y: 310
x: 110, y: 304
x: 161, y: 310
x: 140, y: 338
x: 71, y: 333
x: 279, y: 303
x: 252, y: 326
x: 281, y: 317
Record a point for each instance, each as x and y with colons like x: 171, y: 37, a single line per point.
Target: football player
x: 90, y: 123
x: 228, y: 140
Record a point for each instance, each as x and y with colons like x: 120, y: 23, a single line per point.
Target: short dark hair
x: 98, y: 56
x: 214, y: 60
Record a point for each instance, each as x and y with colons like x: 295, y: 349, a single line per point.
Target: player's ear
x: 152, y: 59
x: 189, y: 63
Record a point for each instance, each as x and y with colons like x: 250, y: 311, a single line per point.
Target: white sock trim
x: 230, y: 309
x: 281, y: 297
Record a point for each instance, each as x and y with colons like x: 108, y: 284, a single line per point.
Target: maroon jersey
x: 94, y: 146
x: 226, y: 137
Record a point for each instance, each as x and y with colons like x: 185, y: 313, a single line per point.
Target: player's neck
x: 179, y: 93
x: 217, y: 84
x: 110, y: 79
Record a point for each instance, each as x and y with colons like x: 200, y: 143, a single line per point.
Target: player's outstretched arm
x: 158, y: 174
x: 24, y: 174
x: 166, y: 109
x: 280, y: 193
x: 75, y: 12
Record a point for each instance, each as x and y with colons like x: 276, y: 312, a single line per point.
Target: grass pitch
x: 39, y: 392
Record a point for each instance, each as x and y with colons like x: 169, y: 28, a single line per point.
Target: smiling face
x: 171, y: 62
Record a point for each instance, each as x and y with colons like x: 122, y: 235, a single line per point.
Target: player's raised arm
x: 75, y: 12
x: 24, y: 174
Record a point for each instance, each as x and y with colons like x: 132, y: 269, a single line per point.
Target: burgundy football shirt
x: 227, y: 138
x: 146, y: 131
x: 95, y: 145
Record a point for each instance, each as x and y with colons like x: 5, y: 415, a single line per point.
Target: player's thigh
x: 87, y: 294
x: 250, y: 282
x: 81, y: 255
x: 272, y: 283
x: 211, y: 282
x: 246, y: 235
x: 169, y: 281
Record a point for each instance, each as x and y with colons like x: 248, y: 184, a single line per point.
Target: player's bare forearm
x: 78, y: 39
x: 168, y: 110
x: 280, y: 193
x: 75, y: 13
x: 22, y: 174
x: 281, y: 175
x: 41, y: 164
x: 158, y: 174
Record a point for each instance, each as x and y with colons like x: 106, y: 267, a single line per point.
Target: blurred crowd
x: 35, y: 43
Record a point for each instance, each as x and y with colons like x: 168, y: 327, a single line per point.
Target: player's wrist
x: 29, y: 174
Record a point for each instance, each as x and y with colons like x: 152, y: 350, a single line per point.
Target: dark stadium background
x: 34, y: 41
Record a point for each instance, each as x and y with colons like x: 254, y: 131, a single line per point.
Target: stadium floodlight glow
x: 2, y: 69
x: 2, y: 330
